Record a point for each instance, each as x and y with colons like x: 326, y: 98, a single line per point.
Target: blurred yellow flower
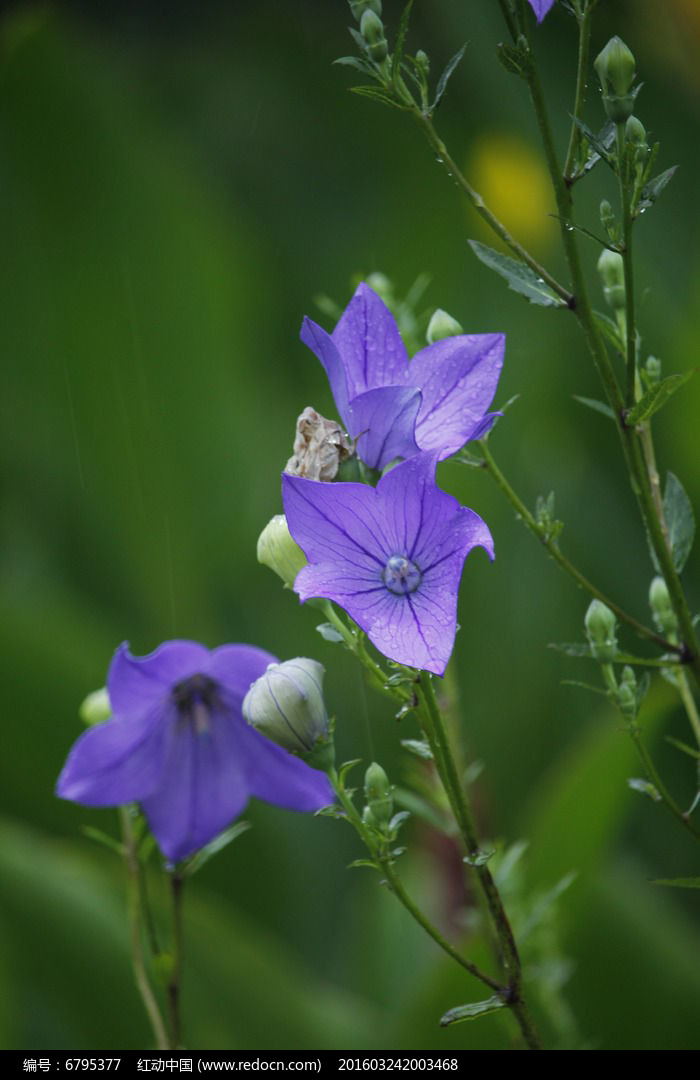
x: 512, y: 178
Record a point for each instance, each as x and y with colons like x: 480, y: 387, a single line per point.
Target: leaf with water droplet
x: 472, y: 1011
x: 520, y: 277
x: 651, y: 190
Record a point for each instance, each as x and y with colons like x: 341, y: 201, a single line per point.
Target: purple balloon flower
x: 178, y: 744
x: 391, y: 556
x: 541, y: 7
x: 394, y: 408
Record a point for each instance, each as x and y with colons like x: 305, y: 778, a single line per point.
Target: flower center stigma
x: 401, y: 576
x: 194, y: 699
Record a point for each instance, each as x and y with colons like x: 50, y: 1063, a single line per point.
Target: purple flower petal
x: 392, y: 557
x: 457, y: 378
x: 178, y: 744
x: 117, y: 762
x: 322, y: 345
x: 369, y: 343
x: 540, y: 8
x: 388, y: 417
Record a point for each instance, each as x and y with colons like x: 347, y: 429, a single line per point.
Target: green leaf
x: 418, y: 747
x: 480, y: 859
x: 345, y: 768
x: 398, y: 820
x: 472, y: 1011
x: 605, y: 138
x: 644, y: 787
x: 601, y: 143
x: 655, y: 398
x: 362, y: 862
x: 679, y: 882
x: 651, y: 190
x: 103, y: 838
x: 514, y: 59
x: 597, y: 406
x: 445, y: 77
x: 520, y: 278
x: 584, y: 686
x: 465, y: 458
x: 193, y: 865
x: 610, y: 330
x: 328, y: 632
x: 356, y: 62
x: 679, y: 519
x: 683, y: 747
x: 400, y: 42
x: 377, y: 93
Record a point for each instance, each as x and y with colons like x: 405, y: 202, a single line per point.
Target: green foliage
x: 655, y: 398
x: 520, y: 278
x: 680, y: 520
x: 472, y: 1012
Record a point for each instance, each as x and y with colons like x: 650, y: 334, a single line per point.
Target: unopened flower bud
x: 359, y: 7
x: 372, y: 30
x: 286, y: 705
x: 383, y: 287
x: 661, y: 610
x: 600, y: 630
x: 607, y: 217
x: 378, y: 792
x: 423, y: 62
x: 611, y: 269
x: 635, y: 131
x: 96, y: 708
x: 441, y: 326
x: 627, y: 692
x: 653, y: 369
x: 279, y: 551
x: 615, y: 67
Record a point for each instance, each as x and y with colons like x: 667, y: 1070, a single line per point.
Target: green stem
x: 356, y: 645
x: 456, y: 795
x: 552, y: 548
x: 630, y: 444
x: 688, y: 700
x: 385, y: 863
x: 482, y: 209
x: 630, y: 333
x: 584, y: 24
x: 136, y: 936
x: 175, y: 981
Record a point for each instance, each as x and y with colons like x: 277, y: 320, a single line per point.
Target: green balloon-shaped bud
x: 423, y: 62
x: 96, y: 708
x: 627, y: 692
x: 611, y: 270
x: 286, y: 705
x: 378, y: 793
x: 372, y: 30
x: 442, y: 325
x: 661, y: 609
x: 600, y: 630
x: 279, y: 551
x: 359, y: 7
x: 615, y: 66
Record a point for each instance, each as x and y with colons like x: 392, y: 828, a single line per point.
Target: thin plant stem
x: 630, y: 333
x: 136, y: 935
x: 175, y: 980
x: 397, y: 887
x: 456, y: 795
x: 584, y: 38
x: 552, y: 547
x: 689, y: 704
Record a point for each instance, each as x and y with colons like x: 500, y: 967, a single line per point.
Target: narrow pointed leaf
x: 520, y: 278
x: 328, y: 632
x: 651, y: 190
x: 400, y: 42
x: 356, y: 62
x: 597, y: 406
x: 445, y: 77
x: 656, y: 397
x: 418, y: 747
x: 472, y: 1011
x: 683, y: 747
x: 679, y: 519
x: 644, y: 787
x: 610, y: 330
x: 479, y: 859
x: 214, y: 847
x: 601, y: 143
x: 377, y: 93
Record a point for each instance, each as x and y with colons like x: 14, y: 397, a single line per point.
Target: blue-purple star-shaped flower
x: 391, y: 556
x: 178, y: 744
x: 541, y: 7
x: 393, y: 407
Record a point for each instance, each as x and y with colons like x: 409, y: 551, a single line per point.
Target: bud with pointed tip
x: 96, y: 708
x: 615, y: 66
x: 372, y: 30
x: 442, y: 325
x: 378, y: 793
x: 358, y: 8
x: 286, y: 705
x: 600, y: 630
x: 627, y: 692
x: 661, y: 610
x: 279, y: 551
x: 611, y: 269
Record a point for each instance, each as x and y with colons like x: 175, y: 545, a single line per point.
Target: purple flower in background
x: 178, y: 744
x: 437, y: 401
x: 540, y: 8
x: 391, y: 556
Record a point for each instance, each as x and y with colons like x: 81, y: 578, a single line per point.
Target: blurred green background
x: 177, y: 184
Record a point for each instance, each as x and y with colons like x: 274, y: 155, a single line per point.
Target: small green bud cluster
x: 372, y: 30
x: 661, y: 610
x: 600, y: 630
x: 358, y: 8
x: 652, y: 370
x: 607, y: 219
x: 615, y: 66
x: 379, y: 795
x: 279, y: 551
x: 627, y: 693
x: 441, y: 326
x: 612, y: 275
